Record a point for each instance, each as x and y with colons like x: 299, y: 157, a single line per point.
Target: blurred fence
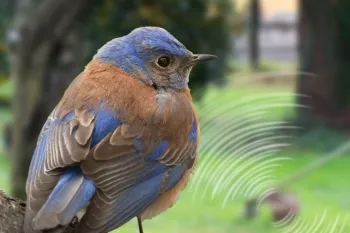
x: 277, y: 42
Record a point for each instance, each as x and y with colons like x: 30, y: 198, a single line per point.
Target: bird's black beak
x: 198, y: 58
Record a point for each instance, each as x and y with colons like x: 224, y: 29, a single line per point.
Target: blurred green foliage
x: 341, y: 87
x: 203, y: 26
x: 6, y: 10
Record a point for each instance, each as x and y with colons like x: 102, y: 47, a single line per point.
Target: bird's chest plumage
x: 173, y: 116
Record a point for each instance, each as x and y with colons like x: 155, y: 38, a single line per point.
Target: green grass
x: 326, y: 188
x: 279, y: 102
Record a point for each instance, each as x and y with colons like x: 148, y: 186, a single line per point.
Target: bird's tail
x: 70, y: 195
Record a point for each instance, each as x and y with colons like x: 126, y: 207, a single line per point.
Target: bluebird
x: 122, y: 142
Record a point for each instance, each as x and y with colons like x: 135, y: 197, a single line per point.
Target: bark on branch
x: 12, y: 215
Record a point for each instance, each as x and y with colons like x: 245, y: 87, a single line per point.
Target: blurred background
x: 274, y: 109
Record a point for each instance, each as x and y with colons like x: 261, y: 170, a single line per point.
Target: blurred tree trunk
x: 254, y: 27
x: 324, y: 37
x: 46, y: 52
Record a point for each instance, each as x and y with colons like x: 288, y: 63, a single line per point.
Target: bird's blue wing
x: 128, y: 179
x: 92, y: 153
x: 71, y: 194
x: 56, y: 188
x: 105, y: 213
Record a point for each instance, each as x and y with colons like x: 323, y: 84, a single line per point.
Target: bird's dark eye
x: 163, y: 61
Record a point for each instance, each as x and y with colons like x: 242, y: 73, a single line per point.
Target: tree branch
x: 12, y: 214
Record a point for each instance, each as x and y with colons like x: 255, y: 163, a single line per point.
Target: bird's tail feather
x: 71, y: 194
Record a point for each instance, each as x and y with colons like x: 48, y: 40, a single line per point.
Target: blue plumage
x: 155, y: 41
x: 106, y: 122
x: 121, y: 53
x: 159, y: 151
x: 66, y: 118
x: 134, y: 200
x: 64, y: 203
x: 37, y: 160
x: 174, y: 176
x: 133, y: 51
x: 193, y: 133
x: 40, y: 150
x: 69, y: 203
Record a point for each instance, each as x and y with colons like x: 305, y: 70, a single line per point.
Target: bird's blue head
x: 152, y: 55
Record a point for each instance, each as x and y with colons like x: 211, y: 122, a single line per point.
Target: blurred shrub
x: 321, y: 139
x: 203, y: 26
x: 6, y: 10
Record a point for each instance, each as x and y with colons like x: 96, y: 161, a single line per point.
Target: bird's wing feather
x: 129, y: 179
x: 71, y: 194
x: 51, y: 189
x: 105, y: 213
x: 112, y: 159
